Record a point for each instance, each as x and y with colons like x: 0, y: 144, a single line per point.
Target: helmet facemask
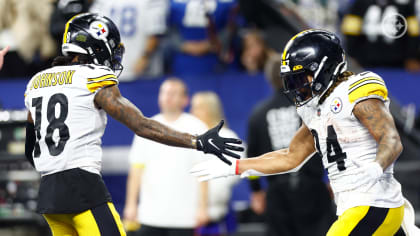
x: 298, y: 85
x: 116, y: 65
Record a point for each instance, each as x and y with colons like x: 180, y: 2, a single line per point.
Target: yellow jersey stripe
x: 102, y: 77
x: 95, y: 86
x: 365, y: 79
x: 368, y: 90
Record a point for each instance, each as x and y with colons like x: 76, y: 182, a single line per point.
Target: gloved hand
x: 211, y: 142
x: 369, y: 174
x: 213, y: 169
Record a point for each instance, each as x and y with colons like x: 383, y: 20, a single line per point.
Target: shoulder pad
x: 100, y: 77
x: 367, y: 85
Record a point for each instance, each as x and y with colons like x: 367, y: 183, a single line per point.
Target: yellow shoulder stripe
x: 368, y: 90
x: 97, y: 85
x: 365, y: 79
x: 104, y: 77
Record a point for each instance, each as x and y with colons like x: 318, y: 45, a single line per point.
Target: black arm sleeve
x: 30, y: 142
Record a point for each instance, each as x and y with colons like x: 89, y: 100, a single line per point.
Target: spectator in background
x: 296, y: 204
x: 371, y: 28
x: 319, y: 14
x: 141, y: 23
x: 207, y: 107
x: 24, y: 27
x: 196, y: 28
x: 255, y: 52
x: 63, y: 10
x: 172, y: 202
x: 2, y: 53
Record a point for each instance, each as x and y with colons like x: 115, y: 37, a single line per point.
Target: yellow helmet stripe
x: 67, y: 28
x: 289, y: 44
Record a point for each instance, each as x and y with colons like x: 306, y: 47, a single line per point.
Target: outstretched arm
x: 277, y: 162
x: 121, y: 109
x: 373, y: 114
x: 283, y: 160
x: 124, y: 111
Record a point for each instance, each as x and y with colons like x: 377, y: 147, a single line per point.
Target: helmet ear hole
x: 317, y: 87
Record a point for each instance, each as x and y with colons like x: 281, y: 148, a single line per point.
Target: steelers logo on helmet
x: 98, y: 30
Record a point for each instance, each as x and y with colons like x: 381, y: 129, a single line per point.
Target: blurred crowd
x: 212, y: 36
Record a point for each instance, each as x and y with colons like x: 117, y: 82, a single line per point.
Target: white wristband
x: 375, y: 170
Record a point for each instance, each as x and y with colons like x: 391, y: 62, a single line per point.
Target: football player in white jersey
x: 347, y: 121
x: 67, y: 107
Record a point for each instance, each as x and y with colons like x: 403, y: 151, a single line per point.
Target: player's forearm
x: 269, y: 163
x: 373, y: 114
x: 389, y: 148
x: 127, y: 113
x: 158, y: 132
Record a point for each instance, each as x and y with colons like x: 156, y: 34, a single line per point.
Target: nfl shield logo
x: 336, y: 105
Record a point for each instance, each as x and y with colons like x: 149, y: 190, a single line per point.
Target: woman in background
x: 208, y: 108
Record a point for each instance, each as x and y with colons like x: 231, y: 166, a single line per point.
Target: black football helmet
x: 317, y: 53
x: 96, y: 36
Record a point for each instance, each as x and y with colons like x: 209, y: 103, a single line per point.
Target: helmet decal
x: 99, y: 30
x: 94, y: 35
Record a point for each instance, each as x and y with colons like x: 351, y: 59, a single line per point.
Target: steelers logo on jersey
x: 98, y: 30
x: 336, y: 105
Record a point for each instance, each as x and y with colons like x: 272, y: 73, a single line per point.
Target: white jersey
x: 169, y: 195
x: 136, y: 20
x: 68, y: 126
x: 346, y: 144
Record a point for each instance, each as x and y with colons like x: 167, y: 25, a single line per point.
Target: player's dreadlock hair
x: 342, y: 77
x: 68, y: 60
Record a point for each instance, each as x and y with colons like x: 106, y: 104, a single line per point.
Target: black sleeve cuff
x: 30, y: 142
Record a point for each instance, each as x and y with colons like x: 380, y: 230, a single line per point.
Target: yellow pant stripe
x: 354, y: 220
x: 117, y: 218
x: 348, y: 221
x: 60, y: 225
x: 391, y: 223
x: 85, y: 223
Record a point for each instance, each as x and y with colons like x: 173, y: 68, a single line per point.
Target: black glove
x: 211, y: 142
